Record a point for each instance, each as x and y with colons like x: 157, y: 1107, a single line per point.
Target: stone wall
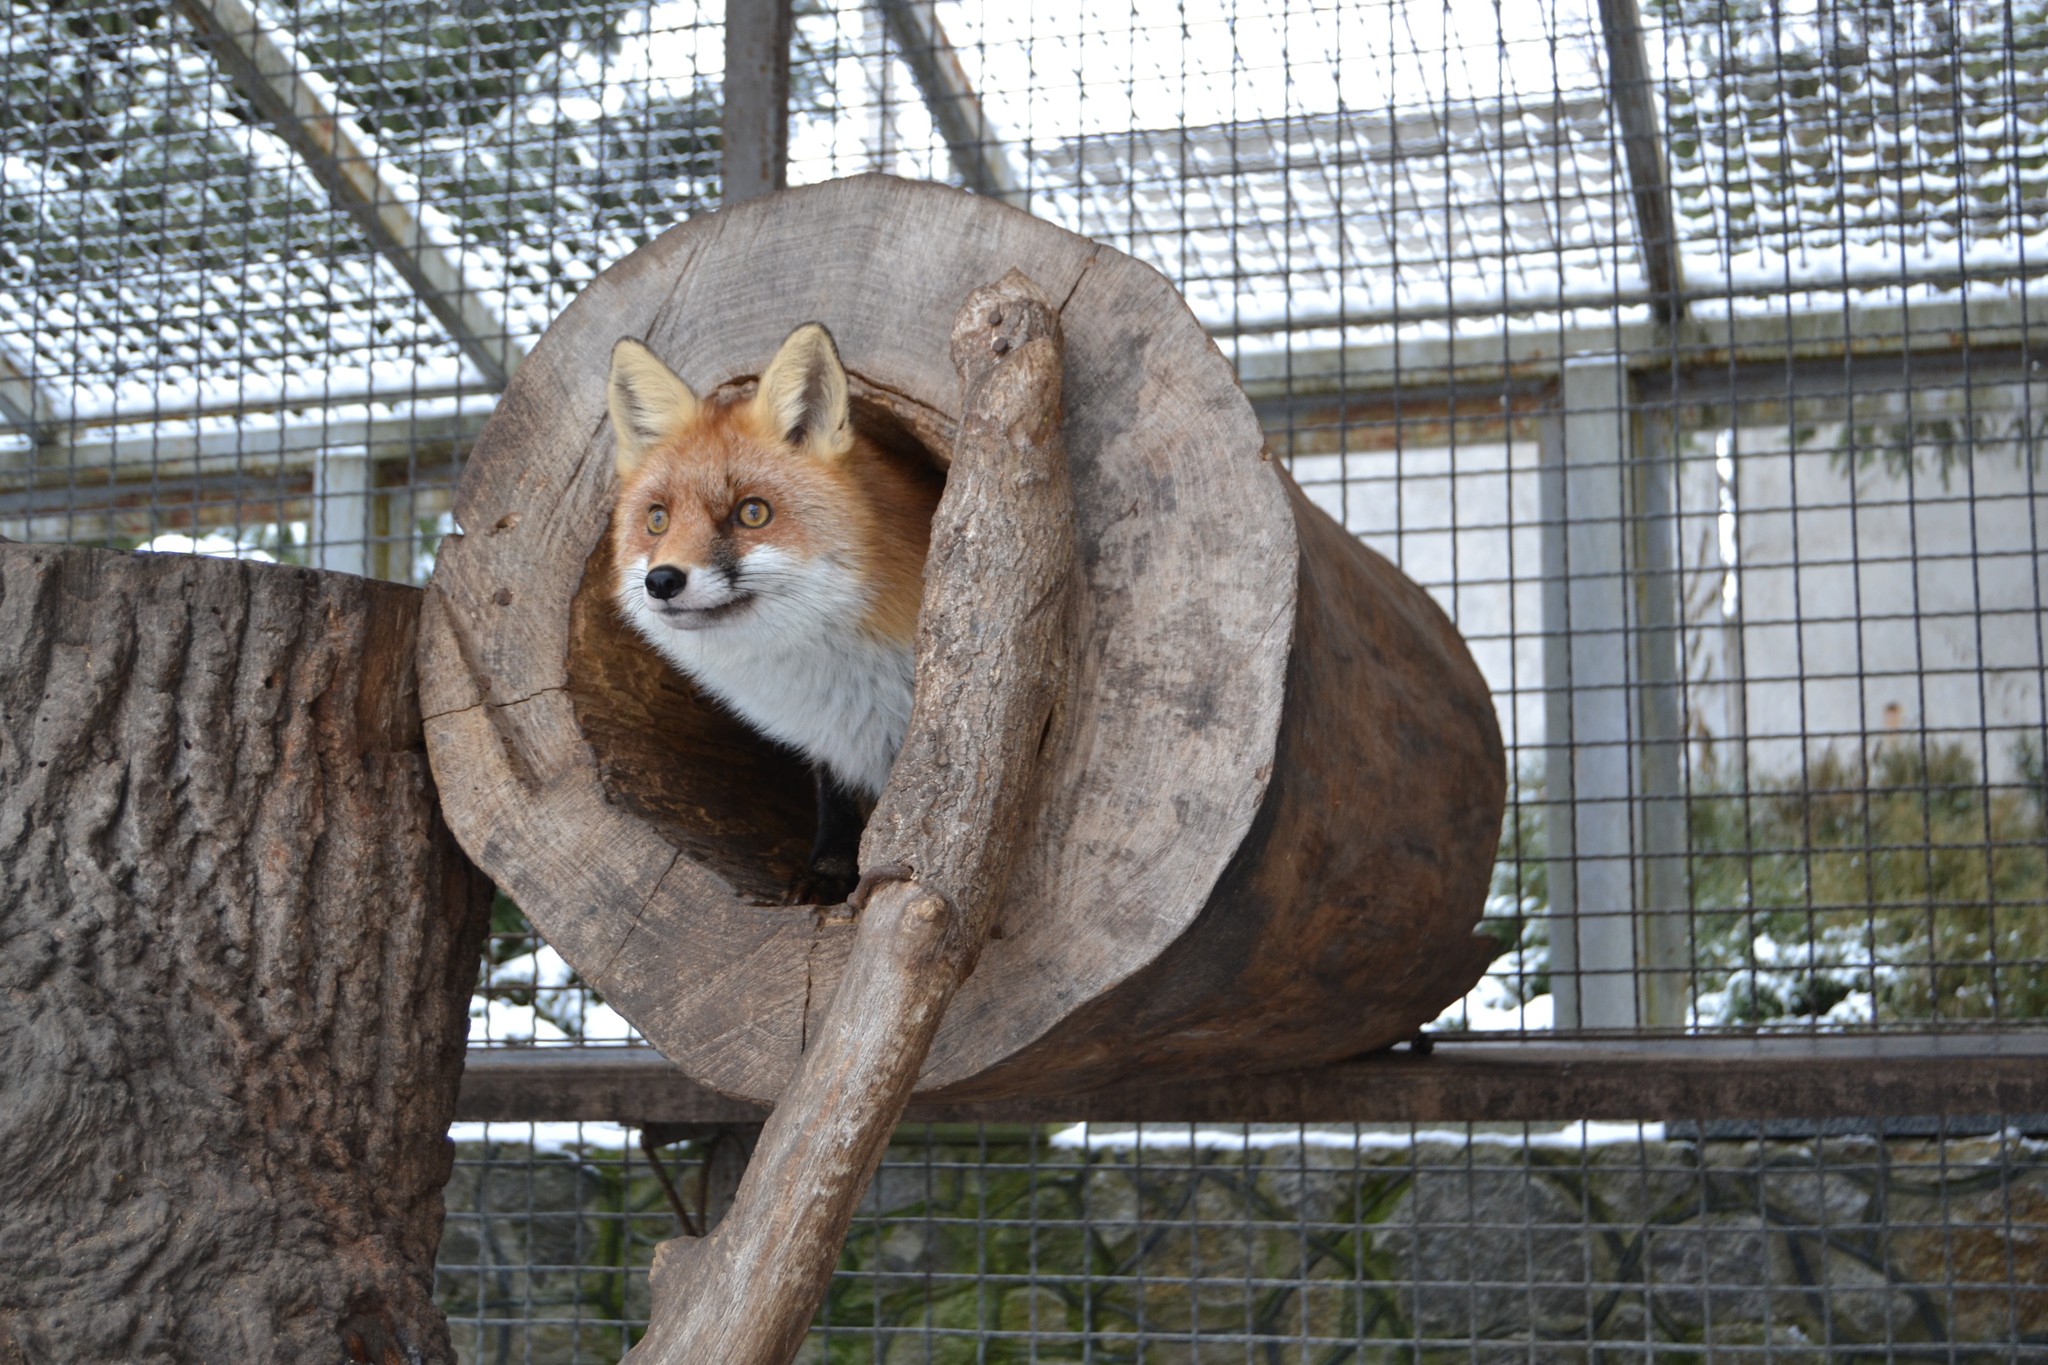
x: 1003, y: 1245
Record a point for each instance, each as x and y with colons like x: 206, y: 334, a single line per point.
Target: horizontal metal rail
x: 1707, y: 351
x: 1806, y: 354
x: 1704, y: 349
x: 111, y: 465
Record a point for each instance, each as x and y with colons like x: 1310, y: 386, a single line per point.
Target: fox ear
x: 647, y: 401
x: 803, y: 393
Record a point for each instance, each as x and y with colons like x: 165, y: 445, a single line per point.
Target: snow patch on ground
x: 535, y: 999
x: 214, y: 544
x: 1574, y: 1137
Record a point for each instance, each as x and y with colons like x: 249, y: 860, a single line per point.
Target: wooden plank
x: 592, y: 1085
x: 1827, y: 1076
x: 349, y: 166
x: 755, y: 124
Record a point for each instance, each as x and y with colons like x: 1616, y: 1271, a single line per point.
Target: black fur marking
x: 817, y: 387
x: 639, y: 416
x: 835, y: 853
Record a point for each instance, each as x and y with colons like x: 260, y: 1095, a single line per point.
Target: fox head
x: 758, y: 512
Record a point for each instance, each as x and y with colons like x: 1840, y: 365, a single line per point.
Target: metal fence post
x: 1664, y: 984
x: 756, y: 121
x: 341, y: 512
x: 1611, y: 776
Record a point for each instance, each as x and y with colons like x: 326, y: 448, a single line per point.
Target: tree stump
x: 1268, y: 806
x: 236, y: 951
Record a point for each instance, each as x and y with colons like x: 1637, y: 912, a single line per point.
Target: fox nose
x: 664, y: 582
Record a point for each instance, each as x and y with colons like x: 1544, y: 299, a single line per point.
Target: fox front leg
x: 835, y: 851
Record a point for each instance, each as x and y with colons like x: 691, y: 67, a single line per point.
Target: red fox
x: 775, y: 556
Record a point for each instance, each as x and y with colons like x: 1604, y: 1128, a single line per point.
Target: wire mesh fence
x: 1256, y: 1243
x: 1691, y: 358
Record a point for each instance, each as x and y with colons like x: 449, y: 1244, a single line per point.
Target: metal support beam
x: 236, y: 496
x: 346, y: 163
x: 1808, y: 353
x: 955, y: 108
x: 1642, y: 145
x: 755, y: 127
x: 109, y: 459
x: 1606, y: 769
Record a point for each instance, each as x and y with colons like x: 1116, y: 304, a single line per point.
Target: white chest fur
x: 796, y: 665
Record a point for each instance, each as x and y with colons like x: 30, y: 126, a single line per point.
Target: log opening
x: 655, y: 736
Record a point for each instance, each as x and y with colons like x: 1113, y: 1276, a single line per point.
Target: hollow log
x: 1269, y: 804
x: 236, y: 951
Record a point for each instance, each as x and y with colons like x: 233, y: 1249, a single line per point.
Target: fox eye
x: 753, y: 513
x: 657, y: 520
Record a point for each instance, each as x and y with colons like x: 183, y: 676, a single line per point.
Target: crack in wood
x: 1075, y: 288
x: 682, y: 270
x: 638, y: 916
x: 939, y: 421
x: 803, y: 1026
x: 488, y: 704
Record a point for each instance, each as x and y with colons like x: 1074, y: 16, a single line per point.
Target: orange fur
x: 868, y: 508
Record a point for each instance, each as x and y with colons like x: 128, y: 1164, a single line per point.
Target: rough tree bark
x: 937, y: 855
x: 236, y: 948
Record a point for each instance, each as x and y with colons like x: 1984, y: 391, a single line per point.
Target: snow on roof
x: 161, y: 247
x: 1360, y: 214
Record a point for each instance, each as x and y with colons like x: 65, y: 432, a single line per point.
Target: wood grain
x: 236, y: 951
x: 1347, y: 919
x: 1538, y: 1080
